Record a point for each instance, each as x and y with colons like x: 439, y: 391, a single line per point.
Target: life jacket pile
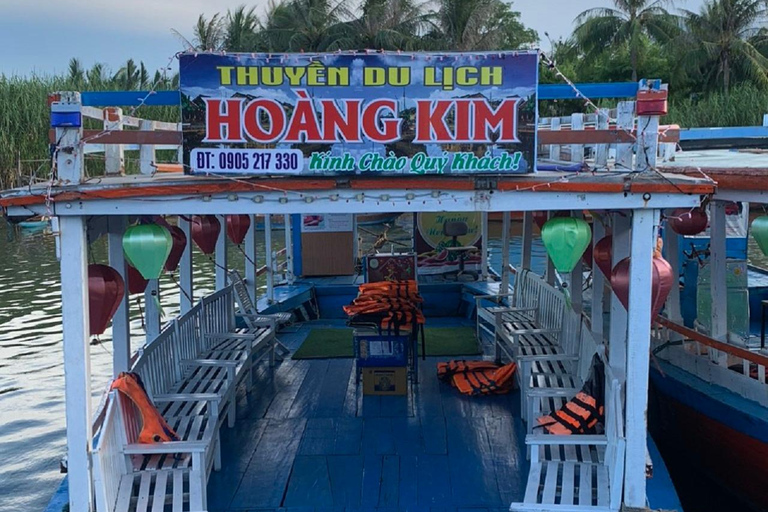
x: 391, y: 305
x: 585, y: 411
x: 478, y: 377
x: 154, y: 428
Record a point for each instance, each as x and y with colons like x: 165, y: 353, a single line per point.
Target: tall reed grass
x: 744, y: 106
x: 25, y: 121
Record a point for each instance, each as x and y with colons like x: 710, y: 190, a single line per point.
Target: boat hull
x: 722, y: 435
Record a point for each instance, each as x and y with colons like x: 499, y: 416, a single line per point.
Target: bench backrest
x: 218, y: 314
x: 109, y: 461
x: 158, y: 362
x: 614, y: 431
x: 243, y: 298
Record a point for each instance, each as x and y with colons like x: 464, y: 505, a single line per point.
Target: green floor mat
x: 441, y: 341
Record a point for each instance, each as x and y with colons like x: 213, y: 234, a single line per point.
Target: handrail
x: 752, y: 357
x: 263, y: 270
x: 173, y: 98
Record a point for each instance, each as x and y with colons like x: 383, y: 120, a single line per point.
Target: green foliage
x: 744, y: 105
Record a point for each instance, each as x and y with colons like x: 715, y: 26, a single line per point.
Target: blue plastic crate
x: 380, y: 350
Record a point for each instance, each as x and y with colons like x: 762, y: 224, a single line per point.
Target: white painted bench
x: 178, y: 484
x: 583, y: 473
x: 521, y: 305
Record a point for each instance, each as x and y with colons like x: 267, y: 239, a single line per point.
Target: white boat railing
x: 698, y: 354
x: 109, y: 463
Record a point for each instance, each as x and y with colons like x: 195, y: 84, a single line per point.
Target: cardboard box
x: 385, y: 381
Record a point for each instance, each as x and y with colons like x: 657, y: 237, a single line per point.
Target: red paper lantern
x: 136, y: 282
x: 205, y: 232
x: 177, y: 249
x: 661, y: 283
x: 105, y: 291
x: 237, y: 227
x: 688, y: 222
x: 586, y: 258
x: 602, y: 253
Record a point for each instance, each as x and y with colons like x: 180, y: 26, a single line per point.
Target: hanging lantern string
x: 183, y: 291
x: 240, y: 248
x: 141, y: 314
x: 212, y: 260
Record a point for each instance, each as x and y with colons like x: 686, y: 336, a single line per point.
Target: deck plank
x: 378, y: 438
x: 408, y: 496
x: 309, y: 484
x: 346, y: 475
x: 372, y: 468
x: 310, y: 397
x: 434, y: 480
x: 509, y: 462
x: 266, y: 477
x: 389, y: 491
x: 469, y: 454
x: 333, y: 390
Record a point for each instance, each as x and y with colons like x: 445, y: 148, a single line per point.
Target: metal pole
x: 121, y: 329
x: 505, y: 253
x: 270, y: 258
x: 250, y: 266
x: 185, y: 269
x: 288, y: 248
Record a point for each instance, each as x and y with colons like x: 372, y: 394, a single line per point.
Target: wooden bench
x: 150, y: 477
x: 578, y: 473
x: 521, y: 305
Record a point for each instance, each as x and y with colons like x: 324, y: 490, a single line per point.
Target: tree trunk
x: 633, y: 59
x: 726, y: 74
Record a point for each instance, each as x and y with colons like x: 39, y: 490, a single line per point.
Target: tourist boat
x: 262, y: 429
x: 709, y: 390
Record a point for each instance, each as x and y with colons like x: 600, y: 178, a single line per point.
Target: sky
x: 40, y: 36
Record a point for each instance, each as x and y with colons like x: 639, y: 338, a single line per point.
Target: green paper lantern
x: 146, y: 248
x: 566, y: 239
x: 760, y: 233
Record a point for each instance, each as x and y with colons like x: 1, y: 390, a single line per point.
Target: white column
x: 289, y: 248
x: 577, y: 125
x: 77, y: 365
x: 221, y: 255
x: 601, y: 151
x: 250, y: 266
x: 618, y: 323
x: 121, y: 329
x: 554, y: 149
x: 114, y: 154
x: 550, y: 266
x: 484, y: 246
x: 270, y: 258
x: 625, y: 121
x: 717, y: 285
x: 151, y: 311
x: 525, y: 259
x: 647, y: 138
x: 185, y: 269
x: 577, y: 274
x: 147, y: 151
x: 505, y: 253
x: 598, y: 284
x: 671, y: 250
x: 638, y: 355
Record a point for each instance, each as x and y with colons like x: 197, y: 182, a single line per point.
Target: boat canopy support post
x: 504, y: 253
x: 185, y: 268
x: 577, y: 274
x: 289, y: 247
x: 77, y: 366
x: 152, y: 309
x: 250, y: 260
x: 484, y: 246
x: 525, y: 257
x: 550, y: 275
x: 270, y: 258
x: 121, y: 329
x: 220, y: 255
x: 672, y: 255
x: 598, y: 284
x: 618, y: 323
x: 638, y: 346
x: 717, y: 276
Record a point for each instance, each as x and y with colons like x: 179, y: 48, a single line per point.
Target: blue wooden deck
x: 307, y: 440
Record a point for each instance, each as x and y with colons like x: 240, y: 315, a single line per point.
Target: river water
x: 32, y: 426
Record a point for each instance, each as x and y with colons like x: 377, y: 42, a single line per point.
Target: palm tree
x: 628, y: 23
x: 468, y: 25
x: 391, y: 24
x: 208, y: 34
x: 724, y: 39
x: 76, y: 72
x: 306, y: 25
x: 240, y: 31
x: 97, y: 76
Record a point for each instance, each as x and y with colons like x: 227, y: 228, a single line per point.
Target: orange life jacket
x: 478, y: 377
x: 154, y: 428
x: 580, y: 415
